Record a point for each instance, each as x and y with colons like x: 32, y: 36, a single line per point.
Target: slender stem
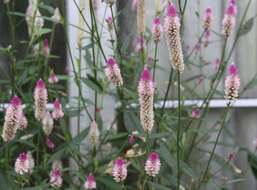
x: 79, y: 98
x: 155, y: 59
x: 214, y: 147
x: 178, y: 133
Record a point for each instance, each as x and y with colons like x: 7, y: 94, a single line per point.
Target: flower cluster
x: 24, y: 164
x: 232, y: 83
x: 228, y: 22
x: 56, y: 174
x: 119, y: 171
x: 153, y: 164
x: 112, y: 72
x: 156, y: 29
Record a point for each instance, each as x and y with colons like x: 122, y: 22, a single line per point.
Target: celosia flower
x: 34, y: 19
x: 90, y: 182
x: 24, y: 164
x: 119, y: 171
x: 46, y: 49
x: 141, y: 17
x: 12, y: 119
x: 156, y: 29
x: 56, y: 18
x: 110, y: 2
x: 172, y: 30
x: 112, y: 72
x: 53, y: 78
x: 56, y: 174
x: 195, y: 113
x: 208, y: 18
x: 94, y: 133
x: 23, y: 123
x: 57, y: 112
x: 40, y: 98
x: 49, y: 143
x: 48, y: 124
x: 146, y: 95
x: 229, y: 22
x: 109, y: 22
x: 153, y: 164
x: 232, y: 83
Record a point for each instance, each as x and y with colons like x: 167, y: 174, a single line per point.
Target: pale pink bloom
x: 12, y: 119
x: 53, y: 78
x: 56, y: 18
x: 48, y: 124
x: 195, y: 113
x: 109, y: 22
x: 172, y: 31
x: 229, y: 19
x: 40, y: 98
x: 153, y: 164
x: 139, y: 44
x: 119, y: 171
x: 112, y: 72
x: 46, y: 49
x: 49, y: 143
x: 23, y: 124
x: 146, y: 95
x: 232, y: 83
x: 90, y: 182
x: 208, y: 18
x: 141, y: 17
x: 24, y: 164
x: 156, y: 29
x: 56, y: 174
x: 57, y: 112
x: 94, y: 133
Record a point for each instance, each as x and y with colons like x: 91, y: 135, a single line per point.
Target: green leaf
x: 92, y: 83
x: 109, y: 183
x: 247, y: 27
x: 158, y: 186
x: 252, y: 160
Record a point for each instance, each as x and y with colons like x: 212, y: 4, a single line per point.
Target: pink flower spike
x: 49, y: 143
x: 24, y: 164
x: 153, y: 164
x: 46, y: 49
x: 195, y: 113
x: 40, y: 98
x: 119, y: 171
x: 57, y: 112
x: 171, y: 10
x: 156, y: 29
x: 90, y: 182
x: 112, y: 72
x: 233, y: 70
x: 56, y: 174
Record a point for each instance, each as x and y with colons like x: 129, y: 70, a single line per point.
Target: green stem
x: 214, y: 148
x: 155, y: 59
x: 178, y: 133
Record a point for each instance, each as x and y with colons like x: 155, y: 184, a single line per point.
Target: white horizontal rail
x: 218, y: 103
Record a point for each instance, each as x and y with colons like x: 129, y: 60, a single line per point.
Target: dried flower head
x: 232, y: 83
x: 229, y: 19
x: 12, y: 119
x: 119, y: 171
x: 24, y: 164
x: 172, y: 31
x: 153, y: 164
x: 56, y: 174
x: 156, y: 29
x: 94, y: 133
x: 90, y: 182
x: 146, y: 96
x: 56, y: 18
x: 57, y: 112
x: 48, y: 124
x: 112, y: 72
x: 40, y: 98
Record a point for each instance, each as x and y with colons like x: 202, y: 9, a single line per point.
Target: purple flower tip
x: 40, y: 84
x: 154, y: 156
x: 171, y: 10
x: 23, y: 156
x: 111, y: 62
x: 157, y: 21
x: 16, y: 101
x: 233, y: 2
x: 57, y: 103
x: 209, y: 10
x: 146, y: 75
x: 57, y: 172
x: 233, y: 70
x: 231, y: 10
x: 46, y: 44
x: 91, y: 178
x: 119, y: 162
